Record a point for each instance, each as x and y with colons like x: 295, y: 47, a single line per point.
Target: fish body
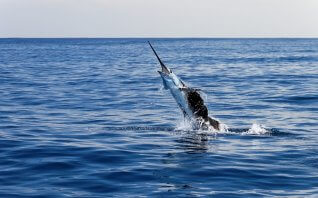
x: 188, y: 99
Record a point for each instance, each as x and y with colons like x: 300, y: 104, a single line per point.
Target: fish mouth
x: 165, y: 70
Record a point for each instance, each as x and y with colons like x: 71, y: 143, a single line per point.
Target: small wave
x: 303, y: 98
x: 290, y: 59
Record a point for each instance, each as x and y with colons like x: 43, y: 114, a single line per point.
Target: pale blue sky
x: 158, y: 18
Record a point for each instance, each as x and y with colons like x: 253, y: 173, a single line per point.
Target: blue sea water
x: 89, y: 118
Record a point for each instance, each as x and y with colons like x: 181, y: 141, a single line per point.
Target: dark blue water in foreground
x: 89, y: 118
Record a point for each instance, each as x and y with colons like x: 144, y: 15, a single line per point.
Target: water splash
x: 184, y: 125
x: 224, y: 128
x: 256, y: 129
x: 187, y: 125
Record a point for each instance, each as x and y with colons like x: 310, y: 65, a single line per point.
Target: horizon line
x: 146, y: 37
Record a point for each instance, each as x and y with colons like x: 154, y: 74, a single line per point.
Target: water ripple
x: 89, y: 118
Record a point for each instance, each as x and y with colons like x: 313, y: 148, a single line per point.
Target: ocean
x: 90, y: 118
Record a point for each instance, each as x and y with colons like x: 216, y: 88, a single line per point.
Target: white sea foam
x: 256, y: 129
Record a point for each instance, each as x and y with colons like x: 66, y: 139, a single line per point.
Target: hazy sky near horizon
x: 158, y: 18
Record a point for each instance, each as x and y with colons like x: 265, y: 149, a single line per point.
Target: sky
x: 158, y: 18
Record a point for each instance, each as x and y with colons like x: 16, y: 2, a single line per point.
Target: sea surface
x: 90, y: 118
